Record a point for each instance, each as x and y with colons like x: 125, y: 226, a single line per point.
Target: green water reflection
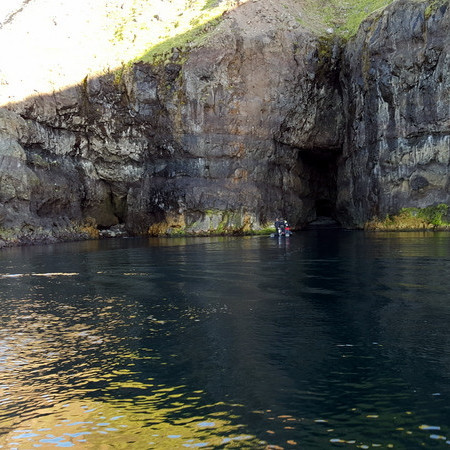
x: 327, y: 340
x: 73, y: 378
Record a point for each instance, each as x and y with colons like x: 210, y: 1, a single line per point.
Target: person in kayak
x: 280, y: 226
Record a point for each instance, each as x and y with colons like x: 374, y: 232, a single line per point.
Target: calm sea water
x: 329, y: 339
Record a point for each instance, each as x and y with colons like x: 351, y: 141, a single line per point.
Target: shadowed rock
x: 257, y: 122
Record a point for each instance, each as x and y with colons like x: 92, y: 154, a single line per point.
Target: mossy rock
x: 429, y: 218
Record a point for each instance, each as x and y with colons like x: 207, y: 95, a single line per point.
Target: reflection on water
x: 325, y: 339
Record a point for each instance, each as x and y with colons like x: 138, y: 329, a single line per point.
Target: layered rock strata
x: 264, y: 119
x: 396, y: 82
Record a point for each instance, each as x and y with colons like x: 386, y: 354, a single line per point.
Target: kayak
x: 285, y: 234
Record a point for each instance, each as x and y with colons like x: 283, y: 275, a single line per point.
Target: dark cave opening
x: 319, y: 171
x: 110, y: 212
x: 324, y: 208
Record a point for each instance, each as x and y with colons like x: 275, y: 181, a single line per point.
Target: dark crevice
x: 319, y: 167
x: 324, y: 208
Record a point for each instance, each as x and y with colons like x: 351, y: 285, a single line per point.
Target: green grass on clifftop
x: 193, y: 24
x: 160, y: 25
x: 341, y: 17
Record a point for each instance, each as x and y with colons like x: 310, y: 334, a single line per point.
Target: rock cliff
x: 396, y: 83
x: 263, y: 119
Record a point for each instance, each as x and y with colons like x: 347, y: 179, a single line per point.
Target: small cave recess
x: 319, y: 171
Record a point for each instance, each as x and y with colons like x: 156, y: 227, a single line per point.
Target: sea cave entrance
x: 324, y: 208
x: 319, y: 170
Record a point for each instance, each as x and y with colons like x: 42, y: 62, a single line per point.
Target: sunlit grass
x: 75, y: 39
x: 341, y: 17
x: 177, y: 23
x: 89, y: 38
x: 429, y: 218
x: 190, y: 37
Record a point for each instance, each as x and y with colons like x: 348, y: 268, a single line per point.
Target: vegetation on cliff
x: 339, y: 17
x: 190, y: 20
x: 85, y: 38
x: 336, y: 17
x: 429, y: 218
x: 217, y: 147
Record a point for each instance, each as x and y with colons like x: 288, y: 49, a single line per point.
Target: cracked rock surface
x: 263, y: 119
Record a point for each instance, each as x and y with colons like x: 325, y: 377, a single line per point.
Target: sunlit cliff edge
x: 48, y: 45
x: 198, y: 117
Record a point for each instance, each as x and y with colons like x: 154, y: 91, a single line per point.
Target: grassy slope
x: 191, y: 24
x: 60, y: 42
x: 344, y: 17
x: 86, y: 37
x: 174, y: 24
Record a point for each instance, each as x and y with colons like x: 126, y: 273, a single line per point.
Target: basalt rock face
x: 396, y: 80
x: 251, y: 104
x: 265, y: 119
x: 207, y: 142
x: 80, y: 160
